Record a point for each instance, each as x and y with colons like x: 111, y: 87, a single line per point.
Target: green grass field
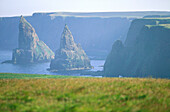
x: 69, y: 94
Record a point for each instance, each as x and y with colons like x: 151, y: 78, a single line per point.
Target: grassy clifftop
x: 85, y: 95
x: 145, y: 51
x: 163, y: 25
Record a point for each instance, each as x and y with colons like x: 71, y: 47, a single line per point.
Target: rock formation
x: 70, y: 56
x: 98, y: 31
x: 30, y: 48
x: 146, y: 51
x: 115, y: 56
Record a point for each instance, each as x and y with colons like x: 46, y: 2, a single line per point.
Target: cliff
x: 102, y: 28
x: 117, y: 56
x: 145, y: 52
x: 30, y: 48
x: 95, y: 34
x: 70, y: 56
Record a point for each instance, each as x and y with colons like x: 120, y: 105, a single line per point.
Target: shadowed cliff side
x: 30, y: 48
x: 145, y: 53
x: 70, y: 56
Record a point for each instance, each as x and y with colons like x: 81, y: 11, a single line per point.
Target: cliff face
x: 115, y: 56
x: 70, y: 56
x: 145, y: 53
x: 102, y: 28
x: 28, y: 38
x: 95, y: 34
x: 30, y: 48
x: 151, y: 55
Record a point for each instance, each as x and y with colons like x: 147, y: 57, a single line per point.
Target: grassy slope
x: 165, y: 25
x: 85, y: 94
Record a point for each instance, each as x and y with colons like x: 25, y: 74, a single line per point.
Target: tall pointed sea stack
x: 31, y: 49
x: 70, y: 56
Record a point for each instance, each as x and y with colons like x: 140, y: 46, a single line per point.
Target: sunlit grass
x: 163, y: 25
x: 85, y: 95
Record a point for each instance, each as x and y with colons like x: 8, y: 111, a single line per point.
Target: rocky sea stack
x: 30, y: 48
x: 70, y: 56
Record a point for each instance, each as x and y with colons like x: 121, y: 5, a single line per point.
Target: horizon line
x: 16, y: 15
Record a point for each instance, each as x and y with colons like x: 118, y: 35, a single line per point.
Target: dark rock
x: 117, y: 56
x: 70, y: 56
x: 146, y: 51
x: 7, y: 61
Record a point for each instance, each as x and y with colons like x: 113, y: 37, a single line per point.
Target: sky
x: 10, y: 8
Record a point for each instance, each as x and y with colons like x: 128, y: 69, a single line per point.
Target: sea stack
x: 30, y: 48
x: 70, y: 56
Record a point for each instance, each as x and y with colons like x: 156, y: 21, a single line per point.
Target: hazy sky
x: 27, y: 7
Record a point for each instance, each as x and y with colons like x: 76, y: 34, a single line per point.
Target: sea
x: 41, y: 68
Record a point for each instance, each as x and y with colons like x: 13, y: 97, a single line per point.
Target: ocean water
x: 40, y: 68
